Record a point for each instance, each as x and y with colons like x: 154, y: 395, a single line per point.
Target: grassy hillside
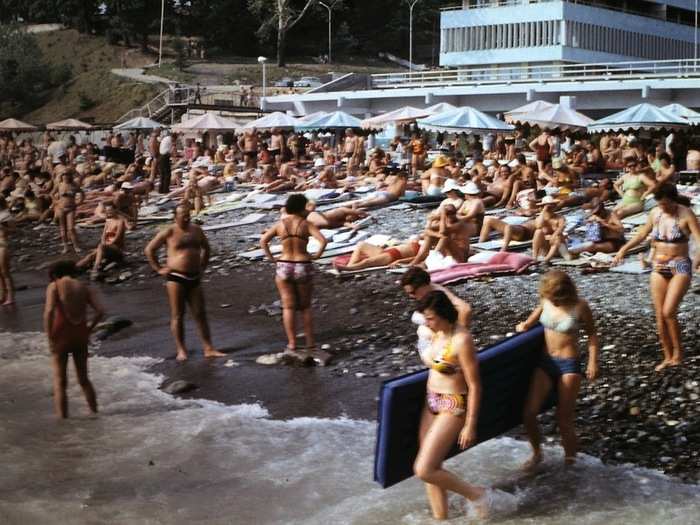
x: 92, y: 91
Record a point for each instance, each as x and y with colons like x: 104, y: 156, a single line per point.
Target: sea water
x: 150, y: 458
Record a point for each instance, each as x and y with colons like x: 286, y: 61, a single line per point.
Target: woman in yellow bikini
x: 452, y: 404
x: 633, y: 187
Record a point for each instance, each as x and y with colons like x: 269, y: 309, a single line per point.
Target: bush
x: 85, y: 102
x: 61, y: 74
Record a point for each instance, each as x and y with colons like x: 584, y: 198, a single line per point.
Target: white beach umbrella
x: 12, y: 124
x: 464, y: 120
x: 208, y: 122
x: 335, y: 120
x: 536, y: 105
x: 139, y: 123
x: 441, y: 107
x: 681, y: 111
x: 69, y: 124
x: 641, y: 116
x: 398, y: 116
x: 554, y: 116
x: 273, y: 120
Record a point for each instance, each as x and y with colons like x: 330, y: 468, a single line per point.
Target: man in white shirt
x: 164, y: 149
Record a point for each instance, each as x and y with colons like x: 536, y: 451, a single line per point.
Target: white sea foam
x: 151, y: 458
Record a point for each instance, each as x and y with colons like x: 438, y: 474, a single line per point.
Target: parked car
x: 285, y: 82
x: 310, y: 82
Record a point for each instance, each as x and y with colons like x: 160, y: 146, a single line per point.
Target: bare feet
x: 210, y: 352
x: 664, y: 364
x: 65, y: 250
x: 532, y: 463
x: 569, y: 461
x: 482, y: 506
x: 8, y: 302
x: 181, y: 355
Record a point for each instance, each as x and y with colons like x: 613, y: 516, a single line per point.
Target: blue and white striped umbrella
x: 335, y: 120
x: 464, y: 120
x: 641, y: 116
x: 680, y: 110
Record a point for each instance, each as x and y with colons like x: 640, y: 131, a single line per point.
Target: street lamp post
x: 329, y: 7
x: 410, y: 33
x: 263, y: 61
x: 160, y: 45
x: 695, y: 53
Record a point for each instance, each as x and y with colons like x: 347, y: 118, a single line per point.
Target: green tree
x: 281, y: 15
x: 22, y: 71
x: 135, y: 20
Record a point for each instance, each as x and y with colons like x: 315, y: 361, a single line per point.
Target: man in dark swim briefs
x: 188, y: 254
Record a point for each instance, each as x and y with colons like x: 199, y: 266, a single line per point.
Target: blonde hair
x: 558, y: 288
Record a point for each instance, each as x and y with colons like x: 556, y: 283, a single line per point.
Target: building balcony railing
x: 610, y: 6
x: 547, y: 73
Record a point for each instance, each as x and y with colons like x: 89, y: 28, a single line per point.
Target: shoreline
x: 365, y: 320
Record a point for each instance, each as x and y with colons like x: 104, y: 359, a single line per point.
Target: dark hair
x: 665, y: 156
x: 62, y: 268
x: 296, y: 204
x: 669, y: 191
x: 521, y: 158
x: 415, y: 277
x: 438, y: 302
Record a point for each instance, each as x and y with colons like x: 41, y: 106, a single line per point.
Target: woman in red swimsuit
x: 67, y: 327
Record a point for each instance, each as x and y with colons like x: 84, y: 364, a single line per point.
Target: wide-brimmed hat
x: 470, y: 188
x: 319, y: 162
x: 451, y: 185
x: 440, y: 162
x: 127, y: 186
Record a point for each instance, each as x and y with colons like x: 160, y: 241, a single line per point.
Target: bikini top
x: 296, y: 233
x: 633, y: 184
x: 441, y: 364
x: 566, y: 324
x: 674, y: 236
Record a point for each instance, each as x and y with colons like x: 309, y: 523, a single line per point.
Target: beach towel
x: 501, y: 262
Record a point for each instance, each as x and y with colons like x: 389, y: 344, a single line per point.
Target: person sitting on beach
x: 377, y: 161
x: 367, y: 255
x: 666, y: 169
x: 604, y: 233
x: 671, y: 224
x: 391, y: 190
x: 511, y: 232
x: 334, y: 218
x: 111, y: 247
x: 416, y: 283
x: 549, y: 231
x: 451, y: 411
x: 472, y: 210
x: 478, y: 170
x: 434, y: 179
x: 563, y: 314
x: 7, y: 287
x: 498, y: 191
x: 633, y: 186
x: 294, y: 272
x: 68, y: 330
x: 450, y: 238
x: 187, y: 257
x: 523, y: 179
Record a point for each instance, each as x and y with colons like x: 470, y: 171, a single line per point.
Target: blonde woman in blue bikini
x: 452, y: 404
x: 563, y: 314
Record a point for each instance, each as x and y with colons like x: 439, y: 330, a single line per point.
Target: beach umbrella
x: 441, y: 107
x: 537, y: 105
x: 641, y: 116
x: 139, y: 123
x: 692, y: 116
x: 207, y: 122
x: 464, y: 120
x: 311, y: 117
x: 69, y: 124
x: 336, y: 120
x: 553, y: 116
x: 273, y: 120
x: 398, y: 116
x: 12, y: 124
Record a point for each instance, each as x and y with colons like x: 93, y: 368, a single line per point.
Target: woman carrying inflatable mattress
x: 452, y: 405
x: 563, y: 314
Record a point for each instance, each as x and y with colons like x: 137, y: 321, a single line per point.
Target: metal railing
x: 186, y: 96
x: 591, y: 3
x: 476, y: 76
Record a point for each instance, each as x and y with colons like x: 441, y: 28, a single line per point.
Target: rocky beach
x: 631, y: 415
